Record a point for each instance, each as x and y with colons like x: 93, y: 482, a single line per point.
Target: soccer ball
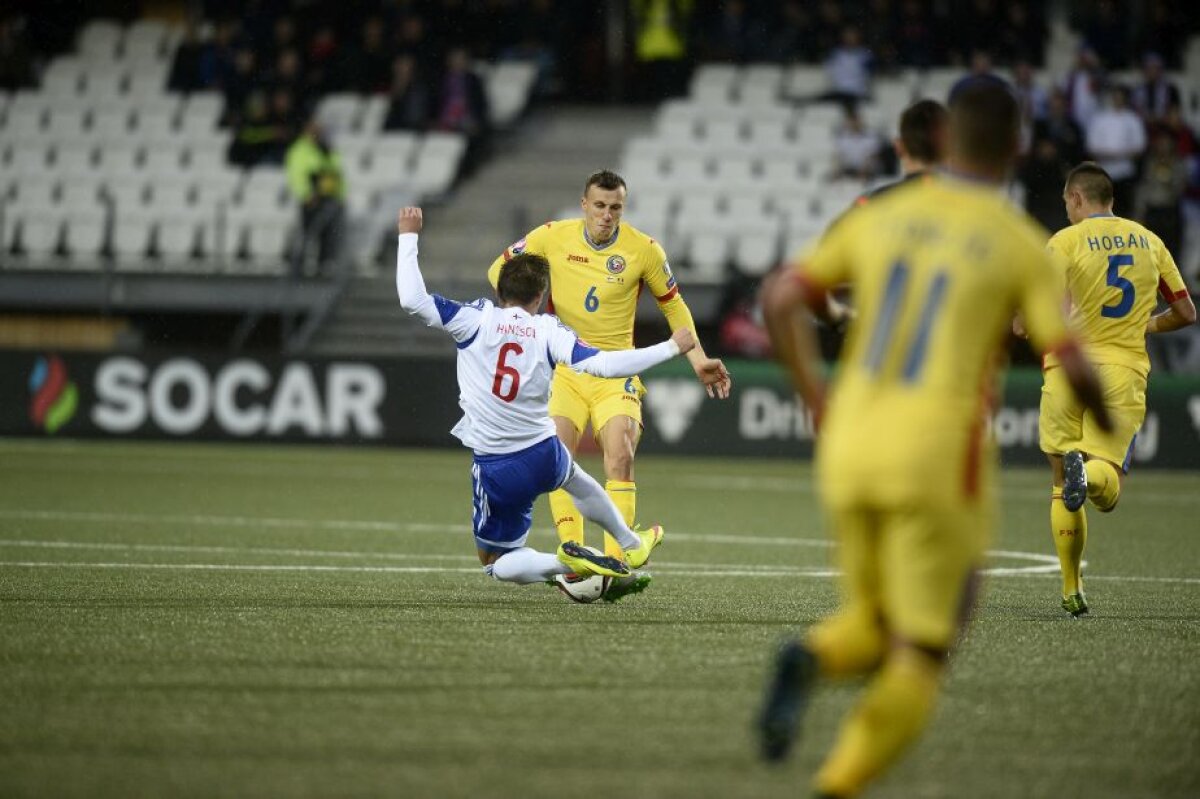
x: 582, y: 589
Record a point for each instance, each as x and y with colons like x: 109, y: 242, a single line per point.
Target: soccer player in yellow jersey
x: 903, y: 469
x: 598, y: 268
x: 1116, y: 269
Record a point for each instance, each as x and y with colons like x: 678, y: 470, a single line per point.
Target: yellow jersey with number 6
x: 1115, y: 269
x: 937, y: 269
x: 594, y: 290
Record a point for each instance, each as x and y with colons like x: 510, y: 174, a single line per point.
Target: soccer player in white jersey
x: 506, y: 358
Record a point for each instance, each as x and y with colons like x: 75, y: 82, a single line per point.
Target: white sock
x: 526, y: 566
x: 596, y: 506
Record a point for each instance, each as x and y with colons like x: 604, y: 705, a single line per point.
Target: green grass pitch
x: 192, y: 620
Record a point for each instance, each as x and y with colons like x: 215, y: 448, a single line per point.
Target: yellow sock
x: 847, y: 645
x: 568, y: 522
x: 1104, y: 484
x: 1070, y: 536
x: 886, y: 720
x: 623, y: 493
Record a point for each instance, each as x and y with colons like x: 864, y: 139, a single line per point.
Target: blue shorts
x: 504, y: 488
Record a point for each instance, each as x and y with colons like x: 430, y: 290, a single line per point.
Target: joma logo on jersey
x: 579, y: 259
x: 615, y: 265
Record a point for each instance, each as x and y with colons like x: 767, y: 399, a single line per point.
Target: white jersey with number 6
x: 506, y: 359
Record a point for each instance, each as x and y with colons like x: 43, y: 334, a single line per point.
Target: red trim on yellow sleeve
x: 1167, y: 294
x: 670, y: 295
x: 507, y: 256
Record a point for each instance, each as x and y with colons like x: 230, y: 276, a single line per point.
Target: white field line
x: 353, y: 525
x: 453, y: 570
x: 1048, y: 563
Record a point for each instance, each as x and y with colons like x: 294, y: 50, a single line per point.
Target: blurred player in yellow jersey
x: 937, y: 268
x: 1116, y: 269
x: 598, y: 268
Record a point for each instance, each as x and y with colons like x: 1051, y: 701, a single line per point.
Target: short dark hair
x: 523, y: 278
x: 1092, y: 182
x: 604, y: 179
x: 985, y: 121
x: 921, y: 127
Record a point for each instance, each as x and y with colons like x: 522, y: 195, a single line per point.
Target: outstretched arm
x: 566, y: 348
x: 710, y: 371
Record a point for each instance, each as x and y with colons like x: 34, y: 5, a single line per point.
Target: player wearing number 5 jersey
x: 903, y: 463
x: 1116, y: 270
x: 506, y: 354
x: 599, y: 266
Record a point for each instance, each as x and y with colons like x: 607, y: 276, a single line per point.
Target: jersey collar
x: 1101, y: 216
x: 603, y: 246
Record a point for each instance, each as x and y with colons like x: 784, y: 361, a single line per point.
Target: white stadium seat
x: 689, y: 172
x: 340, y: 111
x: 169, y: 195
x: 120, y: 159
x: 373, y: 114
x: 41, y: 230
x: 132, y: 235
x: 734, y: 173
x: 85, y: 234
x: 755, y: 255
x: 146, y: 82
x: 207, y: 155
x: 176, y: 234
x: 202, y: 111
x: 110, y: 124
x: 265, y: 187
x: 74, y: 161
x: 63, y: 78
x: 353, y: 147
x: 707, y: 254
x: 99, y: 39
x: 104, y: 86
x: 28, y: 159
x: 723, y: 135
x: 162, y: 160
x: 127, y: 193
x: 399, y: 145
x: 155, y: 128
x: 81, y: 196
x: 437, y: 162
x: 37, y: 194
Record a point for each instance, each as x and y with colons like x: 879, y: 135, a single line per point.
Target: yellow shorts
x: 1064, y: 424
x: 913, y: 569
x: 583, y: 398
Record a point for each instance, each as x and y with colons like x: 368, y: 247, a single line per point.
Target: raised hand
x: 411, y: 220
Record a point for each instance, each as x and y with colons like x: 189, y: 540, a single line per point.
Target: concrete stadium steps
x: 533, y: 172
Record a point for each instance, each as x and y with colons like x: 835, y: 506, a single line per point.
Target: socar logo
x: 53, y: 397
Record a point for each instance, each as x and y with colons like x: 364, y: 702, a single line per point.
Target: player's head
x: 922, y: 140
x: 1089, y: 190
x: 984, y: 125
x: 523, y: 281
x: 603, y: 203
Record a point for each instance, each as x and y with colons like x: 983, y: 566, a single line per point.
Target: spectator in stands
x: 848, y: 68
x: 462, y: 104
x: 856, y: 148
x: 217, y: 58
x: 408, y: 101
x: 1042, y: 175
x: 1021, y: 36
x: 16, y: 61
x: 1033, y: 98
x: 186, y: 67
x: 793, y: 33
x: 414, y: 40
x: 239, y: 84
x: 1116, y: 139
x: 1060, y: 128
x: 266, y: 127
x: 1165, y: 30
x: 314, y: 174
x: 1108, y: 34
x: 1160, y: 192
x: 732, y: 35
x: 1083, y: 85
x: 288, y: 74
x: 1154, y: 94
x: 915, y: 34
x: 320, y: 59
x: 367, y: 68
x: 661, y: 47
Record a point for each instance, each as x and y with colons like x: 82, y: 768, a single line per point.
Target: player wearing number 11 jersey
x: 506, y: 356
x: 1116, y: 269
x: 903, y: 464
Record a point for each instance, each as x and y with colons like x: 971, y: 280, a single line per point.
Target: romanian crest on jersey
x: 615, y: 265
